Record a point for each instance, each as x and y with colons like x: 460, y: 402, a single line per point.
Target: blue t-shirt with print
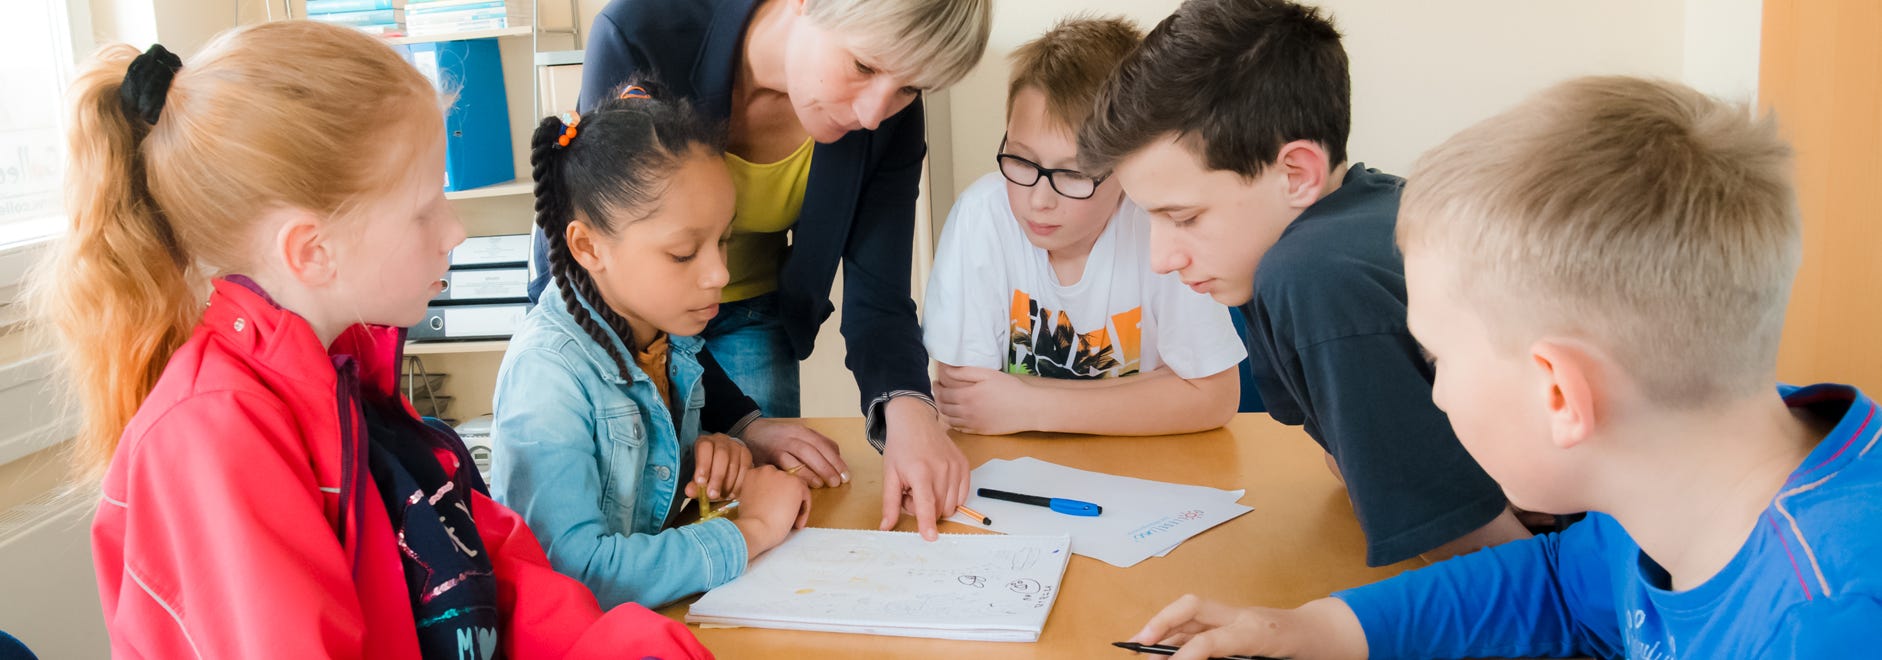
x: 1806, y: 584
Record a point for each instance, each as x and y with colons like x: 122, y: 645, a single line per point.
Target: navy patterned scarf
x: 447, y: 570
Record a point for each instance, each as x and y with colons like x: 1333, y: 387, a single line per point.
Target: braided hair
x: 611, y: 163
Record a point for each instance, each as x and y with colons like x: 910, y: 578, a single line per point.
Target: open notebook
x: 985, y: 587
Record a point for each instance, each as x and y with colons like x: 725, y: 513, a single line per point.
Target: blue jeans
x: 748, y: 340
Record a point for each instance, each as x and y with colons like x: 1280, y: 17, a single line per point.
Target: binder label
x: 489, y: 285
x: 493, y: 321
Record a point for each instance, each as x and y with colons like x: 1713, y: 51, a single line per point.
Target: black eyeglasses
x: 1071, y: 184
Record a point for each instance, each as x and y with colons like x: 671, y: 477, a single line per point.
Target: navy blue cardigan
x: 859, y: 207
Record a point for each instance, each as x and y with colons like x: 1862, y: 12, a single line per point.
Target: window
x: 36, y: 62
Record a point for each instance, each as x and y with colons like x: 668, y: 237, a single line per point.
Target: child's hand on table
x: 984, y: 401
x: 770, y: 506
x: 1324, y: 628
x: 799, y: 451
x: 720, y: 463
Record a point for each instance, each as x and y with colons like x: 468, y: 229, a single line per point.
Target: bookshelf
x: 502, y: 208
x: 512, y: 187
x: 522, y: 31
x: 456, y: 347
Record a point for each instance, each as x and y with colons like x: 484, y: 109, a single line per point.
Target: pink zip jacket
x: 238, y: 519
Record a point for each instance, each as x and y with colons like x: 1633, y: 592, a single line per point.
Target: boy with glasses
x: 1042, y: 308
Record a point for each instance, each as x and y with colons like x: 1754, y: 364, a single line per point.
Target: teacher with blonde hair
x: 821, y: 101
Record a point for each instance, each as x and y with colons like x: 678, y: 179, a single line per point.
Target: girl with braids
x: 822, y: 106
x: 597, y: 439
x: 266, y: 492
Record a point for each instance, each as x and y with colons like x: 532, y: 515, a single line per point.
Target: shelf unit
x: 522, y: 31
x: 502, y: 208
x: 507, y: 188
x: 456, y: 347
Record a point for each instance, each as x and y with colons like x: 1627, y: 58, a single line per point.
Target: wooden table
x: 1300, y: 543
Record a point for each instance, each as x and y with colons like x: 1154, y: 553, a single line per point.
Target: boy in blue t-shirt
x: 1228, y: 125
x: 1600, y: 276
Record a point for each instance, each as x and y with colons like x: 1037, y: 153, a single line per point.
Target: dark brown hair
x: 1236, y: 78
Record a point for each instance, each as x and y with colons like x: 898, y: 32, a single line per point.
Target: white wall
x: 182, y: 26
x: 1721, y: 55
x: 1423, y: 70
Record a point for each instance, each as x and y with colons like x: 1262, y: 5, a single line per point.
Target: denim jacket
x: 592, y: 462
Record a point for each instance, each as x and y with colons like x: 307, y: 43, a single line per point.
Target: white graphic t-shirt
x: 993, y: 301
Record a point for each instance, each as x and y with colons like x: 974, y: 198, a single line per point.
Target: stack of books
x: 434, y: 17
x: 380, y: 17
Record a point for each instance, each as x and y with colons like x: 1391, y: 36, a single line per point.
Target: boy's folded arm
x: 1552, y: 595
x: 1155, y: 403
x: 1100, y: 383
x: 545, y: 469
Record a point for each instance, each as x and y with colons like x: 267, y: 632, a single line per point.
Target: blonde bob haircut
x: 1646, y: 218
x: 933, y: 42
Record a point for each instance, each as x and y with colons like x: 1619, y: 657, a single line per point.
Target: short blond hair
x: 935, y: 41
x: 1643, y: 216
x: 1069, y: 63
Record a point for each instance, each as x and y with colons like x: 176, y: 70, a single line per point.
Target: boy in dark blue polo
x: 1229, y: 125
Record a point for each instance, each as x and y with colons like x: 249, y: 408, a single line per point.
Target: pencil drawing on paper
x: 829, y: 578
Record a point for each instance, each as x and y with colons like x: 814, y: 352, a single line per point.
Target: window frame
x: 18, y: 257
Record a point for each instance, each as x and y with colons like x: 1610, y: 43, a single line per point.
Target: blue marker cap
x: 1075, y: 507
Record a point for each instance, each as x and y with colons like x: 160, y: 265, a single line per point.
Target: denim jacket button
x: 662, y: 472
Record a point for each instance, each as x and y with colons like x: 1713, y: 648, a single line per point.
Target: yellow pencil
x: 976, y: 515
x: 723, y: 511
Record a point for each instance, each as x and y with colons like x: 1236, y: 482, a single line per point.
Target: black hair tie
x: 147, y: 82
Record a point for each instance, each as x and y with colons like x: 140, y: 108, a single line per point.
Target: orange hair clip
x: 569, y: 122
x: 635, y: 92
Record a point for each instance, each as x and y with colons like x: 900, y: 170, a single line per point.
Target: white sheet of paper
x: 1141, y: 519
x: 985, y: 587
